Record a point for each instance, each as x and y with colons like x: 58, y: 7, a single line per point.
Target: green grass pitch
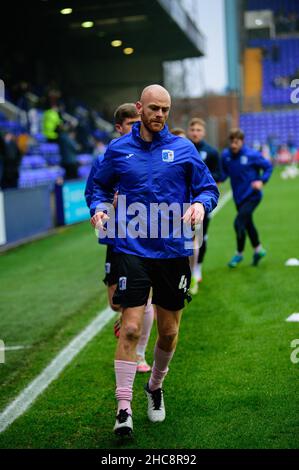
x: 231, y: 383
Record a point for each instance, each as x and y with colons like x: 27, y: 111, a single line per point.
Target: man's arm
x: 104, y: 183
x: 89, y: 183
x: 203, y: 188
x: 266, y: 167
x: 263, y: 164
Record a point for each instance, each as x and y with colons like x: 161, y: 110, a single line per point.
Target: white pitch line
x: 293, y: 318
x: 14, y: 348
x: 25, y: 399
x: 223, y: 200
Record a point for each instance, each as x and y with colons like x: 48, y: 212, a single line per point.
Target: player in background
x: 160, y: 168
x: 248, y: 171
x: 124, y: 117
x: 178, y: 131
x: 196, y: 133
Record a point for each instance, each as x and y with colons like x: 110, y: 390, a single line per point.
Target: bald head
x: 154, y: 92
x: 153, y: 107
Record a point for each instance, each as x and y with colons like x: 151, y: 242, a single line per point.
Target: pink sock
x: 146, y: 329
x: 125, y: 374
x: 160, y: 367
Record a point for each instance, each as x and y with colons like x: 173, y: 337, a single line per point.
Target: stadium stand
x: 42, y: 162
x: 262, y: 127
x: 269, y: 117
x: 280, y: 67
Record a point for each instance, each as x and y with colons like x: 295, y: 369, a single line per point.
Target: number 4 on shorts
x: 183, y: 283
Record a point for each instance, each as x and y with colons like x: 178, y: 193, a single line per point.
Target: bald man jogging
x: 151, y: 168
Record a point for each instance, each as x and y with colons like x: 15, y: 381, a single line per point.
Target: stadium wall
x: 21, y: 222
x: 220, y: 112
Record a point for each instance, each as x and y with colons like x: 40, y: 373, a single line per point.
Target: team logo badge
x: 244, y: 160
x: 107, y: 268
x: 203, y: 155
x: 122, y: 283
x: 167, y: 155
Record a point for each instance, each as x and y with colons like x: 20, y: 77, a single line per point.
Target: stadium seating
x: 83, y: 172
x: 40, y: 166
x: 286, y: 66
x: 42, y: 162
x: 10, y: 126
x: 281, y: 125
x: 85, y: 162
x: 36, y: 177
x: 33, y: 161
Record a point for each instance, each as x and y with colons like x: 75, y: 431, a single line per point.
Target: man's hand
x: 98, y: 219
x: 258, y: 185
x: 195, y: 214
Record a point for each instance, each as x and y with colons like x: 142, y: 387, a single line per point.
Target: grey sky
x: 208, y: 73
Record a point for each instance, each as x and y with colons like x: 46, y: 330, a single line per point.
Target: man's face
x: 196, y: 133
x: 126, y: 125
x: 154, y: 113
x: 235, y: 145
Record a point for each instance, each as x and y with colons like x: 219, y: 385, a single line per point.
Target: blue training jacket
x: 89, y: 191
x: 243, y: 168
x: 89, y: 183
x: 166, y: 170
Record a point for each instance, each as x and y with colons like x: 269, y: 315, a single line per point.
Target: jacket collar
x: 243, y: 151
x: 163, y: 135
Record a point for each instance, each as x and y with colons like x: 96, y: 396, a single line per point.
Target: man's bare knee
x: 132, y: 332
x: 169, y: 337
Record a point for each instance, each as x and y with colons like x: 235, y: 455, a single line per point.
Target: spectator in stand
x: 51, y: 123
x: 275, y: 53
x: 53, y: 94
x: 19, y: 93
x: 100, y: 138
x: 281, y: 82
x: 272, y: 142
x: 286, y: 80
x: 265, y: 52
x: 68, y: 150
x: 11, y: 158
x: 84, y: 129
x: 292, y: 147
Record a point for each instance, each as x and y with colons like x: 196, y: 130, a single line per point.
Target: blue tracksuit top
x: 89, y: 191
x: 89, y: 183
x: 243, y: 168
x: 166, y: 170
